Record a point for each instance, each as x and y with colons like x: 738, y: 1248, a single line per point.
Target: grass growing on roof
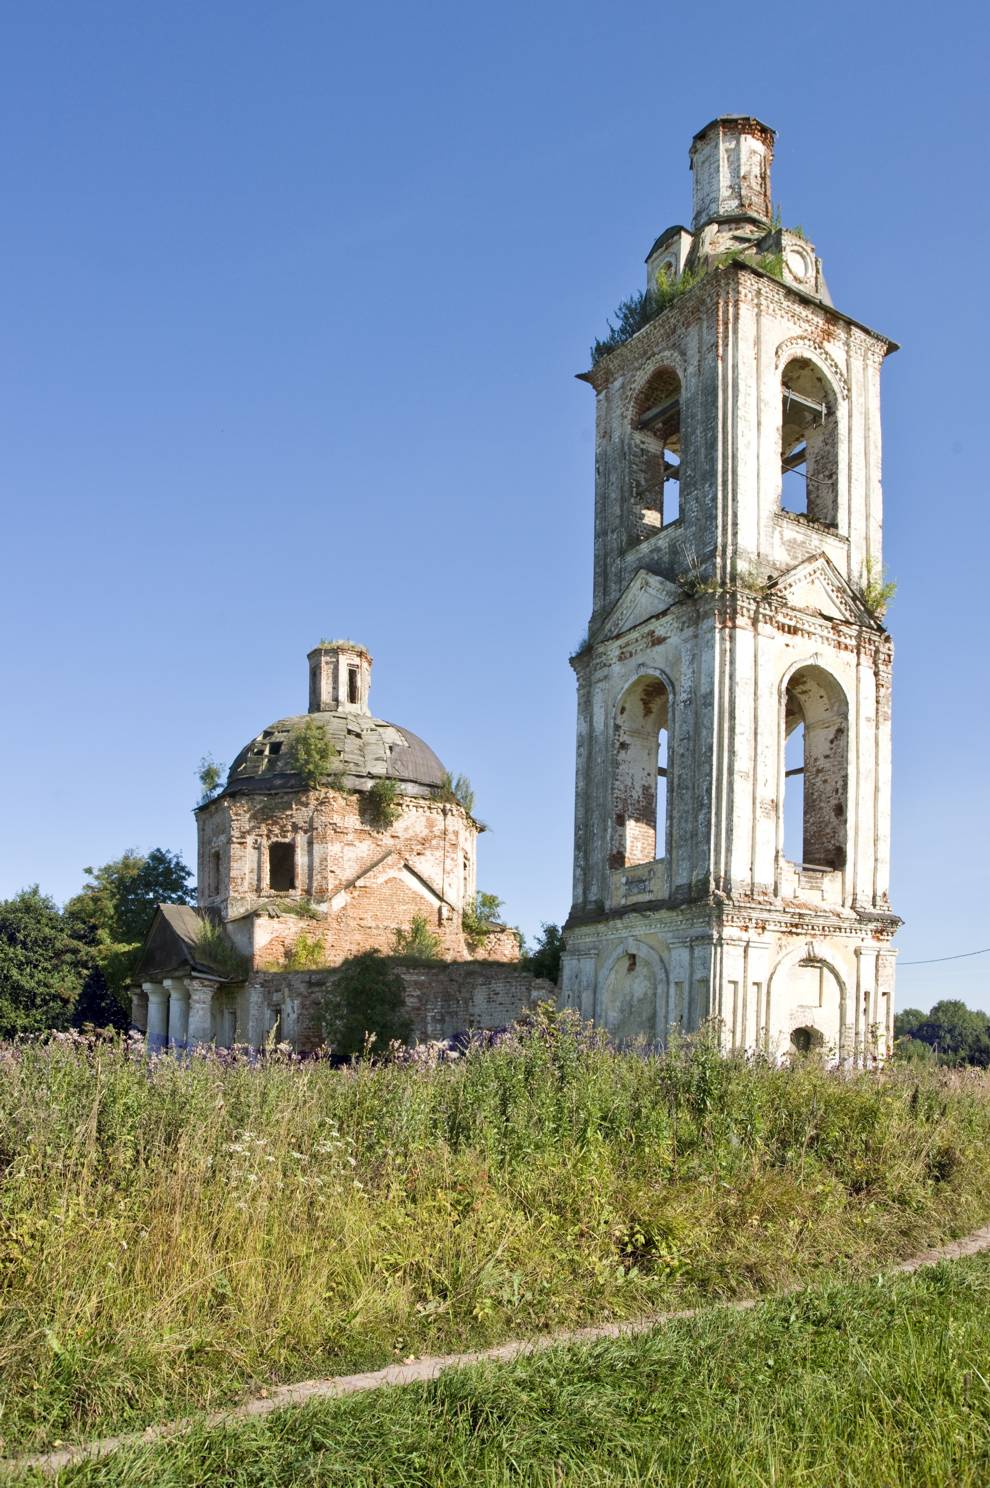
x: 175, y: 1233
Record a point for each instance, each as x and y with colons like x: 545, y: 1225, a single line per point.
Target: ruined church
x: 297, y: 873
x: 732, y: 804
x: 736, y: 672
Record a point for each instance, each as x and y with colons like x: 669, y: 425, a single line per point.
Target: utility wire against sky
x: 962, y: 956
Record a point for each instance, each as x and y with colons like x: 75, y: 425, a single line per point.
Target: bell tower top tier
x: 730, y: 163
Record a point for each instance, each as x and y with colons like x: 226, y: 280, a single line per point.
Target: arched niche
x: 633, y: 995
x: 806, y: 991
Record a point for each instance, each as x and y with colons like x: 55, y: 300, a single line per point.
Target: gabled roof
x: 644, y: 597
x: 171, y: 946
x: 816, y: 585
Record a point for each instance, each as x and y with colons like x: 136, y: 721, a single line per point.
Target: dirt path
x: 431, y: 1365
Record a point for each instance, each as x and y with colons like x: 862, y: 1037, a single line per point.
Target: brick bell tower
x: 732, y: 816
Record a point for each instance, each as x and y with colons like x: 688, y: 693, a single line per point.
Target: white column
x: 139, y: 1009
x: 200, y: 1025
x: 157, y: 1016
x: 178, y: 1012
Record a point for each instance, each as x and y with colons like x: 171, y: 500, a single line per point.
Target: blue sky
x: 294, y: 299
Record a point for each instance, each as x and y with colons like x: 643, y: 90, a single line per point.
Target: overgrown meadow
x: 175, y: 1233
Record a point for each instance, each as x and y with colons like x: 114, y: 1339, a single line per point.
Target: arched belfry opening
x: 656, y: 456
x: 808, y: 444
x: 641, y: 774
x: 816, y: 771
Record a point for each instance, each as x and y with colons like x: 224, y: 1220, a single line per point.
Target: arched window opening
x: 641, y: 811
x: 816, y: 770
x: 656, y: 456
x: 806, y: 1041
x: 808, y: 444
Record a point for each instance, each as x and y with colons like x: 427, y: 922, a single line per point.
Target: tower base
x: 770, y: 981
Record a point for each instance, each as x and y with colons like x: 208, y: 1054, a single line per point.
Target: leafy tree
x: 479, y: 919
x: 960, y: 1035
x: 110, y: 917
x: 367, y: 998
x: 907, y: 1022
x: 953, y: 1032
x: 544, y: 959
x: 42, y: 967
x: 312, y: 754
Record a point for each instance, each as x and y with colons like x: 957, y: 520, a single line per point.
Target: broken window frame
x: 281, y: 866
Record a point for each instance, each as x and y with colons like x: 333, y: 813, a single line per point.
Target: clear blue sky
x: 293, y: 299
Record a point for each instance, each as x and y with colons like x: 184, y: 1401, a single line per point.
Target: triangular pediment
x: 644, y: 597
x: 817, y: 587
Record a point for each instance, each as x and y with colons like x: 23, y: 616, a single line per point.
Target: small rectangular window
x: 352, y: 684
x: 275, y: 748
x: 281, y: 866
x: 215, y: 873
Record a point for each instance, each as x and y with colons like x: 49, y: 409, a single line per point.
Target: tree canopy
x: 110, y: 916
x: 544, y: 959
x: 954, y: 1033
x: 42, y: 966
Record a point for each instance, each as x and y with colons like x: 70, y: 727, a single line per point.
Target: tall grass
x: 174, y: 1232
x: 856, y: 1386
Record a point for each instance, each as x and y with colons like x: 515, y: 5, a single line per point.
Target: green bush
x: 418, y: 941
x: 306, y: 953
x: 210, y: 776
x: 455, y: 790
x: 366, y: 1007
x: 313, y: 755
x: 383, y: 803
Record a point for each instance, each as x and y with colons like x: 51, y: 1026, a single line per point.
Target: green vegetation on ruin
x: 639, y: 310
x: 882, y: 1382
x: 176, y: 1233
x: 383, y: 803
x: 313, y: 755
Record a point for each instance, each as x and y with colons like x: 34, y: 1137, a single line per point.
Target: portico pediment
x: 645, y: 596
x: 817, y: 586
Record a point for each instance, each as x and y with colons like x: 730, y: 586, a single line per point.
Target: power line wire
x: 963, y: 955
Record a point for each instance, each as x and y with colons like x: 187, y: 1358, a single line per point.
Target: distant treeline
x: 951, y: 1033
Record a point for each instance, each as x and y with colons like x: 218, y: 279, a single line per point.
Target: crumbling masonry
x: 733, y: 664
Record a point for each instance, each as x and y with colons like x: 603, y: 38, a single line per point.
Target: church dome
x: 367, y: 748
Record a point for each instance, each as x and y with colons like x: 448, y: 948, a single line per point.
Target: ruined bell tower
x: 732, y: 815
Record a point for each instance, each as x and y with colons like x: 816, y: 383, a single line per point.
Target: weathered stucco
x: 727, y: 628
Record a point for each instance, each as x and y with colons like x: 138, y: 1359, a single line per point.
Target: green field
x: 879, y: 1383
x: 174, y: 1237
